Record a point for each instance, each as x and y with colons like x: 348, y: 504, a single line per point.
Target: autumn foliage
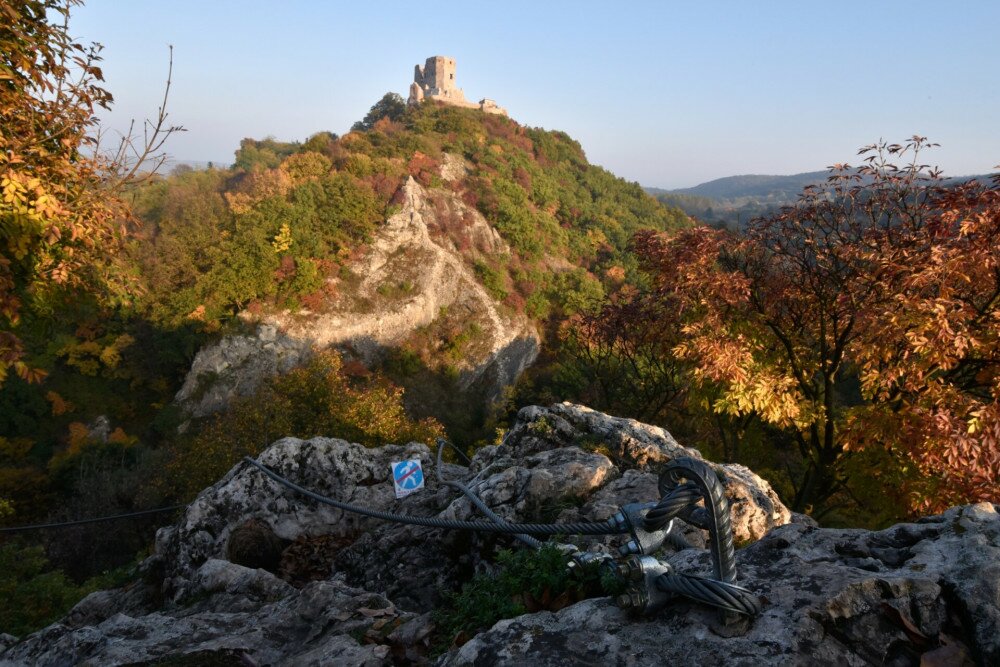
x: 863, y: 317
x: 326, y: 397
x: 929, y: 354
x: 54, y: 226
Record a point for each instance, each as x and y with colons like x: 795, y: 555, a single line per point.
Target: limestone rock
x: 453, y: 167
x: 408, y: 279
x: 550, y: 466
x: 639, y: 448
x: 342, y: 470
x: 238, y: 616
x: 100, y: 429
x: 927, y: 590
x: 236, y: 366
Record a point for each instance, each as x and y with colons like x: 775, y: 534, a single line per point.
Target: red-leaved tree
x: 865, y: 315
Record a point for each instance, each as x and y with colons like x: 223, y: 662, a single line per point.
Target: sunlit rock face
x: 412, y: 276
x: 357, y: 591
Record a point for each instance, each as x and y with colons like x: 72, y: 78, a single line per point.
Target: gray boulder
x: 237, y: 366
x: 356, y: 591
x: 922, y: 593
x: 236, y: 616
x: 548, y: 468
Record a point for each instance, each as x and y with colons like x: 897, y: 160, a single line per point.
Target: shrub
x: 526, y: 581
x: 318, y: 399
x: 34, y: 595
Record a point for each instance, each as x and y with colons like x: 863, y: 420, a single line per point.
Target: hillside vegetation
x: 278, y: 231
x: 290, y: 214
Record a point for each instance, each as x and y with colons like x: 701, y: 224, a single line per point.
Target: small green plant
x: 526, y: 581
x: 402, y: 362
x: 594, y: 443
x: 395, y: 290
x: 542, y: 427
x: 493, y: 279
x: 34, y: 594
x: 456, y: 347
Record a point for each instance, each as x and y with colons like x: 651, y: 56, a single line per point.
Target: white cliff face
x: 407, y: 280
x: 407, y: 277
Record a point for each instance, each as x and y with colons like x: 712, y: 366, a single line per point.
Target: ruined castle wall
x: 435, y: 80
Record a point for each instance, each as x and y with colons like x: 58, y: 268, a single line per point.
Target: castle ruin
x: 435, y: 80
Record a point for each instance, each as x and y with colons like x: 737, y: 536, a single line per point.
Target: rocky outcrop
x: 236, y: 366
x: 239, y: 617
x: 408, y: 279
x: 924, y: 593
x: 356, y: 591
x: 640, y: 450
x: 549, y: 459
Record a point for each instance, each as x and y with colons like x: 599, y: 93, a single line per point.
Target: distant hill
x: 733, y: 200
x: 774, y: 188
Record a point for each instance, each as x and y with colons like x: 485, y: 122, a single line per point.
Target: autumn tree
x: 621, y: 359
x: 60, y: 210
x: 864, y: 314
x: 929, y: 354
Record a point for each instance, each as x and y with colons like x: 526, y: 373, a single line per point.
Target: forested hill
x: 281, y: 232
x: 288, y: 214
x: 733, y: 200
x: 775, y: 188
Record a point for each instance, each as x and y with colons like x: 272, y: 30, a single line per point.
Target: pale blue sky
x: 669, y: 94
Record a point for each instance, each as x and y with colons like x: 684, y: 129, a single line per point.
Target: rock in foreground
x: 924, y: 593
x: 355, y: 591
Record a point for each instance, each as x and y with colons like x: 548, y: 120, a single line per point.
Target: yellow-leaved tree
x: 61, y: 215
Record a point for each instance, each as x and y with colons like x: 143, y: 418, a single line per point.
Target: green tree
x: 267, y: 153
x: 391, y: 106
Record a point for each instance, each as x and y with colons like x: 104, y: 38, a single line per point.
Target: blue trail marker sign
x: 407, y: 476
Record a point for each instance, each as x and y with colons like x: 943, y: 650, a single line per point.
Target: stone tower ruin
x: 435, y: 80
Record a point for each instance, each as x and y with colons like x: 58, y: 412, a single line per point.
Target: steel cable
x: 725, y: 596
x: 716, y: 507
x: 672, y: 505
x: 579, y: 528
x: 473, y: 498
x: 678, y: 500
x: 99, y: 519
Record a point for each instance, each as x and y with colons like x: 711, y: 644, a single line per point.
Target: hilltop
x: 425, y: 243
x: 391, y: 283
x: 774, y: 188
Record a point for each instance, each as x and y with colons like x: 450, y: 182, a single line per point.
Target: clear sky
x: 669, y: 94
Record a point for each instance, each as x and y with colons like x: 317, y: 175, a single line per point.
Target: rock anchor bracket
x: 633, y: 518
x: 653, y: 583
